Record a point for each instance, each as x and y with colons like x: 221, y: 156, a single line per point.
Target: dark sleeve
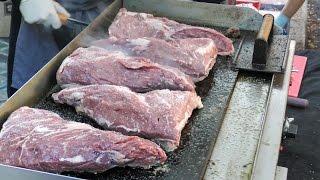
x: 14, y: 31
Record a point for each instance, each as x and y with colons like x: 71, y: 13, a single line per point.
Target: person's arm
x: 292, y: 7
x: 288, y: 11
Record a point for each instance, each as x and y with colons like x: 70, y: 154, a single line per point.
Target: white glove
x: 43, y: 12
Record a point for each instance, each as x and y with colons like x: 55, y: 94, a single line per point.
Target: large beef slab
x: 136, y: 25
x: 41, y: 140
x: 195, y: 56
x: 158, y: 115
x: 93, y: 65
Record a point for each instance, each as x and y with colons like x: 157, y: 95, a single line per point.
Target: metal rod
x: 78, y: 22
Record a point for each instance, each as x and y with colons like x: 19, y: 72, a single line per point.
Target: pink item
x: 255, y: 3
x: 298, y: 67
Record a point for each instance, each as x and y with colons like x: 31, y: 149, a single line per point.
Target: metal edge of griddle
x: 233, y: 156
x: 17, y: 173
x: 229, y: 16
x: 268, y: 149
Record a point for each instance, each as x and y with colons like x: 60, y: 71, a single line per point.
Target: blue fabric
x: 36, y: 45
x: 76, y: 5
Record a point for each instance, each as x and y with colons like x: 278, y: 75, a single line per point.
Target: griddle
x: 197, y: 139
x: 190, y: 160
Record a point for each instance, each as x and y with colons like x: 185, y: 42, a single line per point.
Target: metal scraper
x: 264, y: 52
x: 78, y: 21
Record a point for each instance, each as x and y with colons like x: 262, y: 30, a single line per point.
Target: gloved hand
x: 43, y: 12
x: 282, y: 21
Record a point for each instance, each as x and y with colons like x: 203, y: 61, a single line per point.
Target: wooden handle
x: 266, y: 28
x: 262, y: 41
x: 63, y: 18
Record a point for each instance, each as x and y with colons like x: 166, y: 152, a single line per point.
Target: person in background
x: 291, y: 7
x: 37, y: 33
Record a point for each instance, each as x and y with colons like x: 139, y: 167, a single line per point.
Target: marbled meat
x: 194, y: 56
x: 136, y: 25
x: 42, y: 140
x: 158, y: 115
x: 93, y: 65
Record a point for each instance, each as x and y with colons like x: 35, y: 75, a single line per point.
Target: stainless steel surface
x: 199, y: 14
x: 269, y: 145
x: 78, y: 22
x: 16, y: 173
x: 211, y: 14
x: 235, y: 148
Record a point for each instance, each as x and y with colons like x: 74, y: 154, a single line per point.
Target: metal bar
x: 17, y: 173
x: 236, y: 145
x: 268, y: 149
x: 202, y: 14
x: 78, y: 22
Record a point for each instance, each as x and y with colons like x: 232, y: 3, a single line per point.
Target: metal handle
x: 64, y: 19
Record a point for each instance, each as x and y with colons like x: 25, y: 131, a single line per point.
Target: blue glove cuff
x: 282, y: 20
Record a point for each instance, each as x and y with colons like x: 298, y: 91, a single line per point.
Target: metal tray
x: 190, y: 160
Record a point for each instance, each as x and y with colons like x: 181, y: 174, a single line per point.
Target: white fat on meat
x: 129, y: 129
x: 75, y: 159
x: 41, y: 129
x: 78, y: 95
x: 205, y: 49
x: 140, y: 42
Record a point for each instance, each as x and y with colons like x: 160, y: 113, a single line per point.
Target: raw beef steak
x: 159, y: 115
x: 135, y: 25
x: 195, y: 56
x: 93, y: 65
x: 42, y: 140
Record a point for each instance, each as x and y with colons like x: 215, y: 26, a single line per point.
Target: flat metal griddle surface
x: 190, y: 159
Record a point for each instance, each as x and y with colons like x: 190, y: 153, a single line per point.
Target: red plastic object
x: 298, y: 67
x: 255, y: 3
